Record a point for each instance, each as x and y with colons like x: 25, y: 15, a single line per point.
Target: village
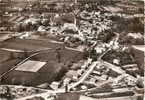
x: 72, y: 50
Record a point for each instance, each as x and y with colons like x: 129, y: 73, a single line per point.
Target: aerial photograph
x: 72, y: 50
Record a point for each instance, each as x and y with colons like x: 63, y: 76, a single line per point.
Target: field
x: 48, y: 73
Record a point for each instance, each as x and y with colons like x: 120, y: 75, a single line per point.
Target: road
x: 114, y: 68
x: 23, y: 61
x: 85, y: 75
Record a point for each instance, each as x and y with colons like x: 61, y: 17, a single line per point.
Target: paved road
x: 86, y: 74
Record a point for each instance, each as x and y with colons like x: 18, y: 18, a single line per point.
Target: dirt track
x: 45, y: 74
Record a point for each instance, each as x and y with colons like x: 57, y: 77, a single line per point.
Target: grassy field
x: 52, y: 70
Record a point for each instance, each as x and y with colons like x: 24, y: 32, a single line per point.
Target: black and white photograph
x: 72, y: 49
